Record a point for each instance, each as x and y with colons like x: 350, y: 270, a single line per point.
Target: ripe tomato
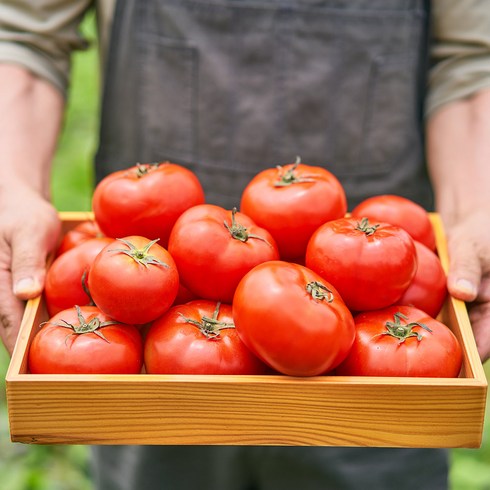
x: 292, y: 319
x: 214, y: 248
x: 399, y: 211
x: 134, y: 280
x: 183, y: 296
x: 402, y: 341
x: 428, y: 288
x: 145, y: 200
x: 292, y: 202
x: 371, y: 265
x: 82, y: 232
x: 66, y: 278
x: 84, y: 340
x: 198, y: 338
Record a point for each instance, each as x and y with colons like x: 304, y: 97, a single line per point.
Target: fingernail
x: 26, y: 286
x: 466, y: 287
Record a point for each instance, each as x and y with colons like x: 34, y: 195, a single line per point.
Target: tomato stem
x: 238, y: 231
x: 143, y: 169
x: 404, y: 331
x: 210, y: 327
x: 141, y: 256
x: 319, y: 291
x: 365, y: 227
x: 85, y: 287
x: 289, y: 176
x: 83, y: 327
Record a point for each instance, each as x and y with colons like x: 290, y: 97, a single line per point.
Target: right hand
x: 29, y: 231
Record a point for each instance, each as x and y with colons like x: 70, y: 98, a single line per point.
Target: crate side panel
x: 247, y: 414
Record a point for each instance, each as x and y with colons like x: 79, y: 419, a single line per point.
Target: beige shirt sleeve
x: 460, y: 52
x: 41, y: 35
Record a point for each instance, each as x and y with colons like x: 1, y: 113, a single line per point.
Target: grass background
x: 38, y: 467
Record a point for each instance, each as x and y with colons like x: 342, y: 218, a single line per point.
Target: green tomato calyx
x: 366, y: 227
x: 143, y: 169
x: 84, y: 327
x: 403, y: 331
x: 210, y: 327
x: 289, y: 176
x: 319, y: 291
x: 140, y: 255
x: 238, y: 231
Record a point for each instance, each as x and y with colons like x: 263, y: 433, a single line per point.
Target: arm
x: 458, y: 150
x: 30, y: 119
x: 36, y: 39
x: 458, y: 145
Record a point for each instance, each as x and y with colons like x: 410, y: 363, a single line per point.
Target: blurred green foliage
x: 38, y: 467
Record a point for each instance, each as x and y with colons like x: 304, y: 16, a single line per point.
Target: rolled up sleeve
x: 41, y: 36
x: 460, y: 51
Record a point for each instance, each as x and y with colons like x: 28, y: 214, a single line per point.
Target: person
x: 231, y: 87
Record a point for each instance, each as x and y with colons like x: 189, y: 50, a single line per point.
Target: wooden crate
x: 248, y: 410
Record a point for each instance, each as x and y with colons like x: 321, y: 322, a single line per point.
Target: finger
x: 30, y: 248
x: 465, y: 271
x: 11, y: 310
x: 480, y: 322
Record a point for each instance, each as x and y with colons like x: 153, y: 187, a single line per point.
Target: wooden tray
x: 248, y: 410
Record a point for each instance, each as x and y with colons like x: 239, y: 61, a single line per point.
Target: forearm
x: 30, y: 118
x: 458, y: 145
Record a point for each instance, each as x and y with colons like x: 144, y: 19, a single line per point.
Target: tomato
x: 399, y: 211
x: 183, y: 296
x: 292, y: 319
x: 66, y: 278
x: 198, y: 338
x: 145, y: 200
x: 370, y: 264
x: 291, y: 202
x: 82, y: 232
x: 214, y: 248
x: 84, y: 340
x: 134, y: 280
x: 428, y: 288
x: 402, y: 341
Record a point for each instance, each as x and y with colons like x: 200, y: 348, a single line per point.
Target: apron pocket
x: 168, y: 98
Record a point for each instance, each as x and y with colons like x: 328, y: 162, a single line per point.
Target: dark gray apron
x: 228, y: 88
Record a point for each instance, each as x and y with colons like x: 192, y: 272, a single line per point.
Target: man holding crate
x: 236, y: 85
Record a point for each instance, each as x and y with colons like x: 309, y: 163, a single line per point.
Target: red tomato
x: 84, y: 340
x: 66, y: 278
x: 292, y: 319
x: 402, y: 341
x: 134, y: 280
x: 198, y: 338
x: 428, y: 288
x: 401, y: 212
x: 183, y: 296
x: 371, y: 265
x: 292, y: 202
x: 82, y: 232
x: 145, y: 200
x: 214, y: 248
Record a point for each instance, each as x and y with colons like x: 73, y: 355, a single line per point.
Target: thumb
x: 465, y: 272
x: 28, y: 267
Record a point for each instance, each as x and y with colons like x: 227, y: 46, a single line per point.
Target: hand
x: 469, y: 272
x: 29, y: 230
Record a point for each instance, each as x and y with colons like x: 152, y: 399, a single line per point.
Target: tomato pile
x: 290, y: 283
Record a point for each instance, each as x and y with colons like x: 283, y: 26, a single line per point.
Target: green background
x: 37, y: 467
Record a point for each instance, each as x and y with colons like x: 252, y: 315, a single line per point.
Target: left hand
x: 469, y: 272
